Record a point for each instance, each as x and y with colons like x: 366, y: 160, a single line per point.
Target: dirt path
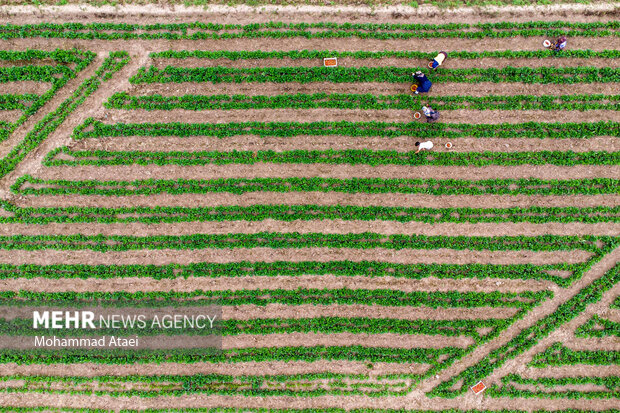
x: 242, y: 368
x: 547, y: 308
x: 268, y: 170
x: 323, y: 226
x: 320, y: 198
x: 402, y: 144
x: 351, y: 115
x: 23, y: 87
x: 452, y: 63
x: 438, y: 89
x: 10, y: 115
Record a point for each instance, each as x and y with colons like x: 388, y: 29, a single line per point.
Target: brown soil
x: 451, y: 63
x: 402, y: 144
x: 23, y: 87
x: 268, y: 170
x: 438, y: 89
x: 10, y: 115
x: 243, y: 368
x: 160, y: 257
x: 326, y: 226
x: 320, y: 198
x: 352, y: 115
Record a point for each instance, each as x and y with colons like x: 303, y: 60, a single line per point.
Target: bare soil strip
x: 10, y: 115
x: 546, y: 308
x: 269, y: 170
x: 402, y: 144
x: 24, y: 87
x: 323, y: 226
x: 134, y: 284
x: 451, y: 63
x: 235, y: 369
x: 320, y: 198
x: 430, y: 45
x: 351, y: 115
x: 438, y: 89
x: 609, y: 343
x: 344, y: 12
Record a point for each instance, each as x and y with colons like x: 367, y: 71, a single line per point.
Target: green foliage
x: 122, y: 100
x: 289, y: 213
x: 278, y: 30
x: 71, y: 157
x: 28, y: 185
x: 52, y: 120
x: 528, y: 337
x: 558, y: 355
x: 598, y: 327
x: 389, y: 74
x: 541, y: 130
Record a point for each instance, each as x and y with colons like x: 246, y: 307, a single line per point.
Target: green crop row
x: 260, y: 212
x: 362, y: 54
x: 52, y: 120
x: 528, y: 337
x: 263, y: 297
x: 28, y: 185
x: 294, y: 269
x: 365, y: 240
x: 558, y: 355
x: 598, y: 327
x: 17, y: 102
x: 212, y: 355
x: 277, y: 30
x: 545, y: 387
x: 541, y: 130
x: 71, y: 157
x: 266, y: 326
x: 57, y: 75
x: 122, y: 100
x: 389, y: 74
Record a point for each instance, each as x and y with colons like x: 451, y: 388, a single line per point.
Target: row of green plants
x: 65, y: 156
x: 122, y: 100
x: 58, y: 76
x: 545, y: 387
x: 540, y: 130
x: 266, y: 326
x: 262, y: 297
x: 17, y: 102
x: 28, y: 185
x: 363, y: 54
x: 369, y: 269
x: 598, y: 327
x: 528, y: 337
x: 389, y: 74
x: 238, y: 355
x: 365, y: 240
x: 54, y: 119
x: 559, y: 355
x: 260, y: 212
x: 312, y: 384
x: 278, y: 30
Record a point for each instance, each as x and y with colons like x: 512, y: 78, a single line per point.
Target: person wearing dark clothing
x: 559, y: 44
x: 424, y: 85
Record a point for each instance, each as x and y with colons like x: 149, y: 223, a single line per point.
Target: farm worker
x: 438, y: 60
x: 424, y: 145
x: 431, y: 115
x: 424, y: 85
x: 559, y: 44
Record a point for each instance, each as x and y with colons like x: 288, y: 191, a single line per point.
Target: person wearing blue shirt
x: 424, y: 85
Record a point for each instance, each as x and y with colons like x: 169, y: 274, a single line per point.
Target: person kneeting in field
x: 424, y: 145
x: 431, y: 115
x: 559, y: 44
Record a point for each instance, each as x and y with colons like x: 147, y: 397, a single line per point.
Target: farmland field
x: 161, y: 163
